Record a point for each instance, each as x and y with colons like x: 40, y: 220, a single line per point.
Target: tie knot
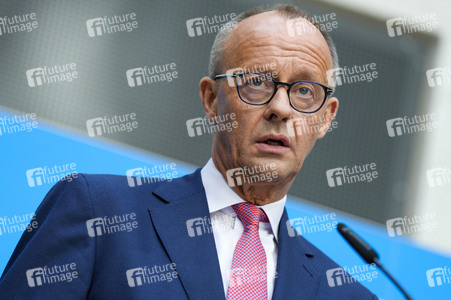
x: 249, y: 214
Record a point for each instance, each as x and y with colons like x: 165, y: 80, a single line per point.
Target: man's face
x: 263, y: 40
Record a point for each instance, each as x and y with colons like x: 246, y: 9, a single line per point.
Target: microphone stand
x: 378, y: 263
x: 366, y: 252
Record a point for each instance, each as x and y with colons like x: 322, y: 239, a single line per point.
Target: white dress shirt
x: 227, y: 228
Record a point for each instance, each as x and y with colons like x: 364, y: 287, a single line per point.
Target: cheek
x: 305, y: 143
x: 246, y: 118
x: 227, y: 97
x: 245, y: 127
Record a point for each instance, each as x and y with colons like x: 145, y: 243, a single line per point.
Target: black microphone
x: 366, y: 252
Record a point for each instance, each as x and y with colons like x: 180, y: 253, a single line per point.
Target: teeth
x: 273, y: 143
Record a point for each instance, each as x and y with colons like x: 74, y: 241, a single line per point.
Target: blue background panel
x: 47, y: 146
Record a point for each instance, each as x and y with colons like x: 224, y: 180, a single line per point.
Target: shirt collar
x: 220, y: 195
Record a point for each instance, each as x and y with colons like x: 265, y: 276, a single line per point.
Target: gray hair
x: 288, y: 11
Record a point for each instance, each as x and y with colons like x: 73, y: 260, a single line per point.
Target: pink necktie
x: 248, y: 278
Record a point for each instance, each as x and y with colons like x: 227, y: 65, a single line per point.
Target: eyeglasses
x: 259, y: 89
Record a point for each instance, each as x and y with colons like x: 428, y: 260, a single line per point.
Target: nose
x: 279, y: 108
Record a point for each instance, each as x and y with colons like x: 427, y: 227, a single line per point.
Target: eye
x: 304, y: 92
x: 256, y: 82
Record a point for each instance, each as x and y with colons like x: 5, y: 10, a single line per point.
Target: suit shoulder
x: 107, y: 186
x: 133, y: 190
x: 115, y: 183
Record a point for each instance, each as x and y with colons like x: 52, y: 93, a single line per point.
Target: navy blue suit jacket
x: 99, y: 238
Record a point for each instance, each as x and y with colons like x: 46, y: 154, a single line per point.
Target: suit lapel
x: 296, y: 276
x: 179, y: 213
x: 181, y: 219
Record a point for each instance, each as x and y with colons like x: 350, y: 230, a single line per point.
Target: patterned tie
x: 248, y: 274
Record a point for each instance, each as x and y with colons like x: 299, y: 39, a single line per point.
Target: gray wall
x: 163, y: 108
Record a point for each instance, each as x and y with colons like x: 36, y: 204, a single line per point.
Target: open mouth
x: 272, y: 140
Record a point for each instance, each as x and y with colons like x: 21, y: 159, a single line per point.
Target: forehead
x: 266, y: 38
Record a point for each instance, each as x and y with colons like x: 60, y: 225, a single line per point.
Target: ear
x: 209, y: 97
x: 329, y: 114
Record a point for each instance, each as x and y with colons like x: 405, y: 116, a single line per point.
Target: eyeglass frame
x: 327, y: 90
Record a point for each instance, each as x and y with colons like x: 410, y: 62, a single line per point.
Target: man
x: 220, y: 232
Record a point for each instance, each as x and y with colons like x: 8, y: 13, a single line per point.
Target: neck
x: 260, y: 193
